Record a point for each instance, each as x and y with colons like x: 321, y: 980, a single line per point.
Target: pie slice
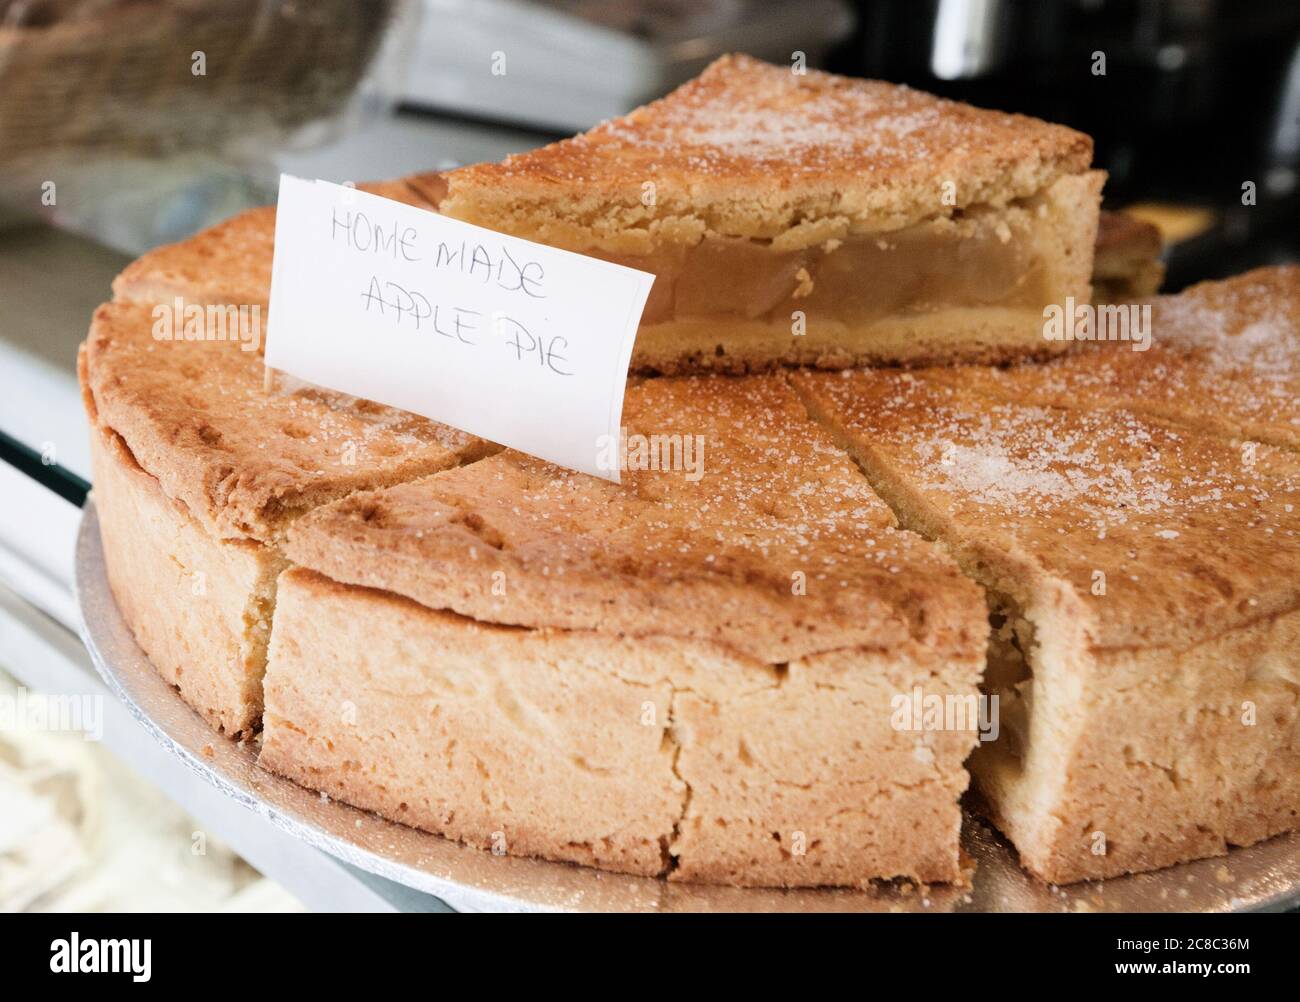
x: 1224, y: 357
x: 808, y: 218
x: 1145, y: 584
x: 1126, y: 266
x: 245, y: 462
x: 198, y: 473
x: 200, y: 607
x: 226, y: 264
x: 693, y: 674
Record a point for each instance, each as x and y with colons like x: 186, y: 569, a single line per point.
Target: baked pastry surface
x: 708, y: 552
x: 742, y: 635
x: 748, y: 149
x: 652, y: 755
x: 810, y: 219
x: 1126, y: 266
x: 1224, y: 357
x: 197, y: 416
x: 1143, y: 578
x: 199, y: 469
x: 229, y: 263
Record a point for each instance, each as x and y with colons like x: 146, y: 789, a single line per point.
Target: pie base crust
x: 1151, y: 723
x: 649, y: 755
x: 200, y: 607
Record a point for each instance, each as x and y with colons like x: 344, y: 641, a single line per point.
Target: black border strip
x: 58, y: 479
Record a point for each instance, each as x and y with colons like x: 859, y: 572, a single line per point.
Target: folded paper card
x: 516, y: 342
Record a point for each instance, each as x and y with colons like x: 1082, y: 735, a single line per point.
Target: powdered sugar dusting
x: 742, y: 113
x: 1224, y: 356
x: 1056, y: 466
x: 1249, y: 325
x: 869, y: 119
x: 780, y: 524
x: 1012, y: 457
x: 1159, y: 529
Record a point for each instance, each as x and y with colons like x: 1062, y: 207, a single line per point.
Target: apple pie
x: 1221, y: 356
x: 692, y: 676
x: 1144, y: 583
x: 808, y: 218
x: 1126, y: 263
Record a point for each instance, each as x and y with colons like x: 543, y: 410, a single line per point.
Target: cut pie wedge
x: 808, y: 218
x: 198, y: 474
x: 690, y: 675
x: 1145, y: 583
x: 1223, y: 357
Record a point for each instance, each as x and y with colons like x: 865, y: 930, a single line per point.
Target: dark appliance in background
x: 1197, y: 98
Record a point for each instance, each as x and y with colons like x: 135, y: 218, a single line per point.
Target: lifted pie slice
x: 809, y: 218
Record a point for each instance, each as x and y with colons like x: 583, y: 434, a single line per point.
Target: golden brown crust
x: 509, y: 740
x: 990, y: 337
x: 1224, y: 358
x: 243, y: 460
x: 754, y: 150
x: 1148, y: 576
x: 1192, y: 534
x: 1118, y: 233
x: 810, y: 781
x: 226, y: 263
x: 649, y: 755
x: 778, y: 550
x: 1126, y: 266
x: 1161, y: 755
x: 199, y: 607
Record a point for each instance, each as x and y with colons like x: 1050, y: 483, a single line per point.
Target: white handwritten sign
x: 511, y: 340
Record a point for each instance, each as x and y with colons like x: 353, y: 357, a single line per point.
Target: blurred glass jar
x: 140, y: 120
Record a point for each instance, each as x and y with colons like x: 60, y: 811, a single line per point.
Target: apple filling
x: 981, y: 257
